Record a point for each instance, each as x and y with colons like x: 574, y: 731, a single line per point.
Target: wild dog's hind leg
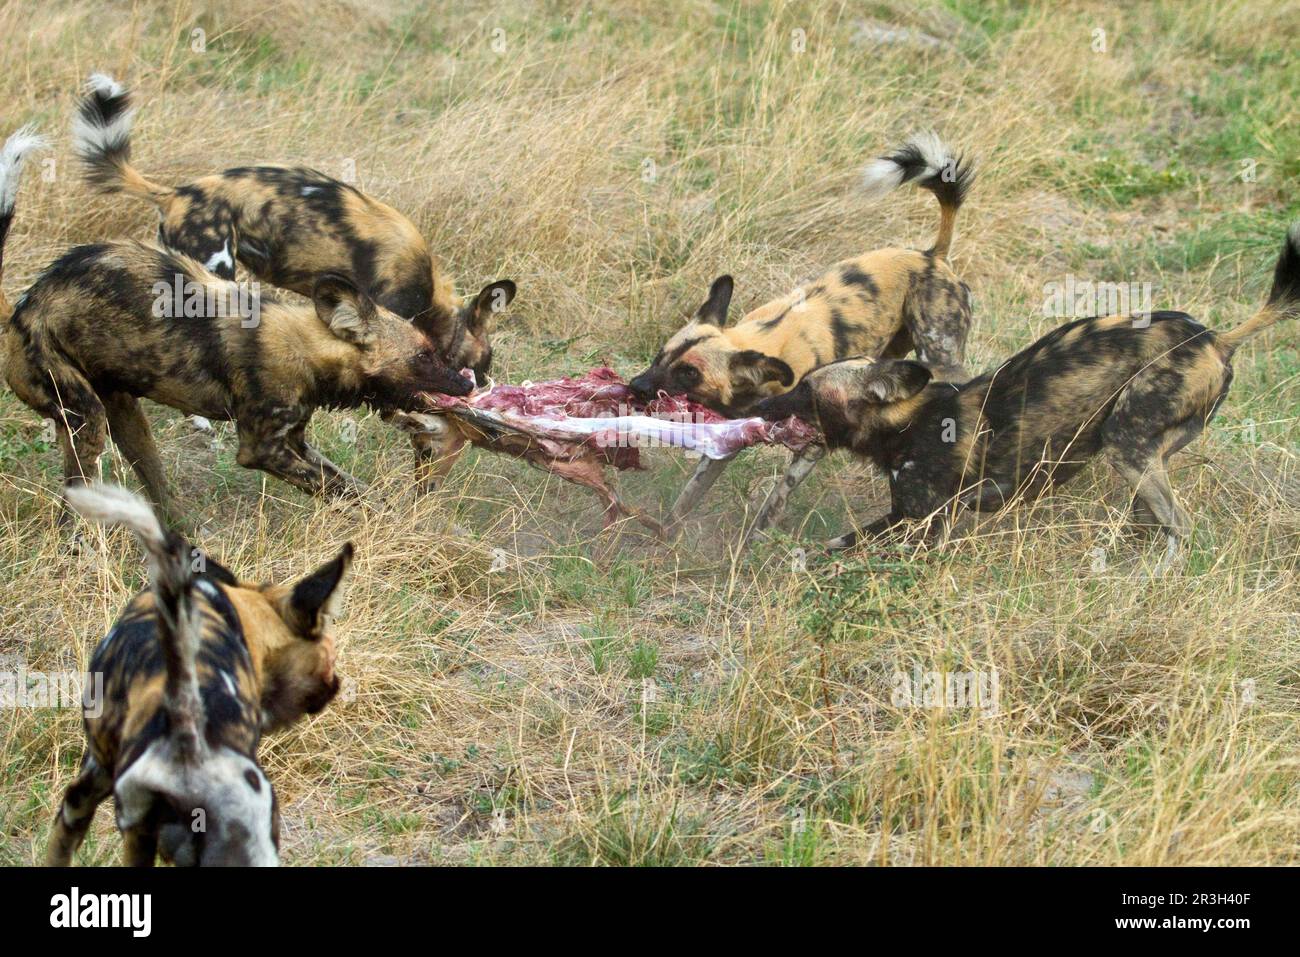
x: 937, y: 314
x: 1151, y: 485
x: 1150, y: 482
x: 1174, y: 440
x: 82, y: 426
x: 82, y: 445
x: 140, y: 845
x: 1163, y: 407
x: 58, y: 391
x: 129, y: 430
x: 1141, y: 458
x: 81, y: 433
x: 81, y: 439
x: 76, y: 811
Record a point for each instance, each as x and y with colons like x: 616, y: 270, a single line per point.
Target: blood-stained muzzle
x: 647, y: 385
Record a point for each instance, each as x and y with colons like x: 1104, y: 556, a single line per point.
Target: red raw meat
x: 538, y: 407
x: 536, y: 422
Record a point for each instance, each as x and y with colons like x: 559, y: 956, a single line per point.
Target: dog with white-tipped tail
x: 195, y: 669
x: 882, y: 304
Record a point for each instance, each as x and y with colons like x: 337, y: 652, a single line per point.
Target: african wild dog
x: 195, y: 670
x: 89, y: 339
x: 1134, y: 390
x: 290, y: 226
x: 887, y: 302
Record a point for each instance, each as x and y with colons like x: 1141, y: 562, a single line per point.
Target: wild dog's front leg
x: 334, y: 476
x: 271, y: 440
x: 929, y: 519
x: 773, y: 506
x: 885, y: 528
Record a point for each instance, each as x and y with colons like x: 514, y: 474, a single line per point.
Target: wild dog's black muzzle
x: 781, y: 407
x: 437, y: 377
x: 645, y: 386
x: 456, y: 384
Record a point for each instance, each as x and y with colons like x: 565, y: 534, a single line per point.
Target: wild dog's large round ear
x: 714, y: 310
x: 318, y: 596
x: 895, y: 380
x: 491, y: 301
x: 760, y: 368
x: 343, y: 307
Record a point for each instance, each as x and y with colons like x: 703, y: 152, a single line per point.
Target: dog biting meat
x: 576, y: 427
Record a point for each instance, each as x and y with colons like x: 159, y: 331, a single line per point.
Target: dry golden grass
x: 497, y: 646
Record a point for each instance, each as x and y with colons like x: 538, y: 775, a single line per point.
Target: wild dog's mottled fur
x: 194, y: 671
x: 84, y: 343
x: 290, y: 226
x: 885, y: 302
x: 1134, y: 391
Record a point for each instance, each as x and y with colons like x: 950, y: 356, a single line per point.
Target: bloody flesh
x: 600, y: 411
x: 573, y: 428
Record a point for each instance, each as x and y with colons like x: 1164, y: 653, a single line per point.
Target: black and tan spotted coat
x: 888, y: 302
x: 1135, y: 389
x: 194, y: 671
x: 289, y: 226
x: 105, y: 326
